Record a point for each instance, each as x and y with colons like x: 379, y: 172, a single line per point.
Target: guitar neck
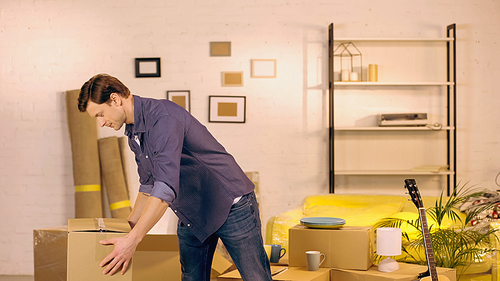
x: 431, y: 263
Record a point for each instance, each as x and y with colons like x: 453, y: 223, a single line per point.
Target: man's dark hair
x: 99, y: 89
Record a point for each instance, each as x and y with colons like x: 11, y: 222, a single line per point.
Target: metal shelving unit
x: 450, y: 126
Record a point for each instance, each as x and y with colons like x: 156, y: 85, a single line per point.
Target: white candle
x: 354, y: 76
x: 345, y: 75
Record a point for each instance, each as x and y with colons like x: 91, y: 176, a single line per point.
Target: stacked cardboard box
x: 346, y: 247
x: 406, y: 272
x: 349, y: 253
x: 290, y: 274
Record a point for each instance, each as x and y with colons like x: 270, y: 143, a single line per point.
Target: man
x: 181, y: 166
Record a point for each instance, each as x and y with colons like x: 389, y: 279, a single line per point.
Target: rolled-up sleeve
x: 163, y: 191
x: 146, y: 188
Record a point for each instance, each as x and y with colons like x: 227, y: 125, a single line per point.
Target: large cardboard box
x: 291, y: 274
x: 156, y: 258
x: 50, y: 246
x: 345, y: 247
x: 49, y: 249
x: 406, y: 272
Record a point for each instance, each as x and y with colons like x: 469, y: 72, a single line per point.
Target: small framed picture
x: 181, y: 98
x: 147, y: 67
x: 263, y: 68
x: 232, y: 79
x: 227, y: 109
x: 220, y: 49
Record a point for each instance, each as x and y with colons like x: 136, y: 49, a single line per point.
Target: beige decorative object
x: 220, y: 49
x: 232, y: 79
x: 263, y: 68
x: 373, y: 73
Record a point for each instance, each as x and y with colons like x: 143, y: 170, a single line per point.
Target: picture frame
x: 180, y: 97
x: 220, y: 49
x: 147, y: 67
x: 232, y: 78
x: 227, y: 109
x: 263, y: 68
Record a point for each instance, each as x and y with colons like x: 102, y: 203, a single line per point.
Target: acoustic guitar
x: 431, y: 273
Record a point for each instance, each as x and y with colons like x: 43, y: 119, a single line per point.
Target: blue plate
x: 322, y: 222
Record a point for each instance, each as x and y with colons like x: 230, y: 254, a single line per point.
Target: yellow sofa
x: 359, y: 210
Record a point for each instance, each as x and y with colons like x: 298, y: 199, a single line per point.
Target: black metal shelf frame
x: 451, y: 107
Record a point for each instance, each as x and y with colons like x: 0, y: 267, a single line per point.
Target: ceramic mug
x: 313, y: 260
x: 276, y: 253
x: 268, y: 249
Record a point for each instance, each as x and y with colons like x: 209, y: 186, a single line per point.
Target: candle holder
x: 350, y: 51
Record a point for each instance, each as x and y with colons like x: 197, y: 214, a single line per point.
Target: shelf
x: 387, y: 173
x: 409, y: 128
x: 445, y: 39
x: 367, y: 133
x: 339, y: 83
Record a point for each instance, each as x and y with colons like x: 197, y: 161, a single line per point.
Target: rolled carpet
x: 86, y: 172
x: 114, y: 178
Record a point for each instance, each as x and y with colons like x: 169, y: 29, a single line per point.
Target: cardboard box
x: 345, y: 247
x: 291, y: 274
x: 50, y: 247
x: 156, y: 257
x: 406, y: 272
x: 49, y: 250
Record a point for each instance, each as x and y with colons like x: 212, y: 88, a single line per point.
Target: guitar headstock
x: 411, y: 185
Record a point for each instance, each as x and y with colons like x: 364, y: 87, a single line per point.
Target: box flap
x: 98, y: 225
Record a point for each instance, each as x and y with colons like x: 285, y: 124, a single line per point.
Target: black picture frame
x: 180, y: 97
x: 227, y: 109
x: 147, y: 67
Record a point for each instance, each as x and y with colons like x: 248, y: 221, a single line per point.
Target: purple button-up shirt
x: 180, y: 162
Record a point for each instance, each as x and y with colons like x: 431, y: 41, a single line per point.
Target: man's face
x: 108, y: 115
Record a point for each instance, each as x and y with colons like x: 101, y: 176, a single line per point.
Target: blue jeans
x: 241, y: 235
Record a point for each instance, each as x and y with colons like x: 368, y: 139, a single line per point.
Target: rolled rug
x: 86, y: 173
x: 114, y: 178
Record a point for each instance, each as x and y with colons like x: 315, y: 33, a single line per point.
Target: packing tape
x: 119, y: 204
x: 87, y: 187
x: 100, y: 224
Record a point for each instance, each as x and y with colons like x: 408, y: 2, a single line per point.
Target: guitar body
x: 411, y: 185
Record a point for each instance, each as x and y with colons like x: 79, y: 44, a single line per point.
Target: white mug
x: 313, y: 260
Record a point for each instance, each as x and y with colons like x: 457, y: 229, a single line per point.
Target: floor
x: 26, y: 278
x: 16, y: 278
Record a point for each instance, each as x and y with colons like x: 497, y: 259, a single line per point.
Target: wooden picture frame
x: 227, y: 109
x: 180, y: 97
x: 220, y: 49
x: 147, y: 67
x: 263, y: 68
x: 232, y: 79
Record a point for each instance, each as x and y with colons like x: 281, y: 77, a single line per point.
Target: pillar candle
x: 372, y: 72
x: 354, y: 76
x: 345, y: 75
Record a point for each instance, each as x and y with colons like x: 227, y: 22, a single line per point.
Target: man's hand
x: 120, y: 257
x: 153, y: 209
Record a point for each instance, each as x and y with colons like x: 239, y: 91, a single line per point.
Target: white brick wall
x: 48, y: 47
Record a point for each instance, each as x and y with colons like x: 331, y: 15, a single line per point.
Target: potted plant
x: 455, y: 246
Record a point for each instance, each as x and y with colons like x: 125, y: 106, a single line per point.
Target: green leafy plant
x: 456, y: 246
